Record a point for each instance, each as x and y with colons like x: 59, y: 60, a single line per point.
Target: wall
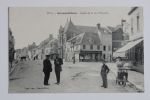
x: 88, y: 48
x: 133, y: 24
x: 107, y: 41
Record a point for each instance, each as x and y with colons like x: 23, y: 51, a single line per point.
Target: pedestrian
x: 58, y: 62
x: 104, y: 72
x: 47, y: 68
x: 73, y: 58
x: 120, y: 65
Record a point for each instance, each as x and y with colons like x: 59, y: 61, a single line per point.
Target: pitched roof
x: 44, y: 43
x: 91, y: 38
x: 132, y: 10
x: 87, y: 28
x: 86, y: 38
x: 113, y: 29
x: 78, y: 29
x: 77, y: 39
x: 70, y: 27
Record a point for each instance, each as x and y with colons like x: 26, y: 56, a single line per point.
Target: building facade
x: 32, y: 51
x: 47, y: 47
x: 136, y: 54
x: 11, y: 47
x: 134, y: 49
x: 136, y: 23
x: 119, y: 36
x: 85, y: 43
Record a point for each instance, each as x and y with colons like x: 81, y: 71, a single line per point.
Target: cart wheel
x: 124, y: 82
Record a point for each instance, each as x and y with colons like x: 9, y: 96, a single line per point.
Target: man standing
x: 104, y: 72
x: 58, y: 62
x: 47, y: 68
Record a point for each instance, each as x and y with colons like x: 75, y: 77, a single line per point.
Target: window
x: 91, y: 47
x: 98, y: 47
x: 131, y: 25
x: 132, y: 30
x: 104, y: 56
x: 104, y: 48
x: 109, y: 48
x: 84, y: 46
x: 138, y: 28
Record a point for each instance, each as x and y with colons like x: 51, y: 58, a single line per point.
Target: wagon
x: 122, y: 77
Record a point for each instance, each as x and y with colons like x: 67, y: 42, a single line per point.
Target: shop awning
x: 119, y: 54
x: 122, y: 51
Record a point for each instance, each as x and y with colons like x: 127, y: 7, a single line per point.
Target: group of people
x: 47, y: 69
x: 58, y: 62
x: 120, y: 66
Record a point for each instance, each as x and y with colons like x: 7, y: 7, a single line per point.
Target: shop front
x: 85, y: 56
x: 132, y: 51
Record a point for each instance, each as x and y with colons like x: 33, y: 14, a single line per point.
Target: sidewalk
x: 11, y: 69
x: 134, y: 78
x: 14, y: 65
x: 137, y: 79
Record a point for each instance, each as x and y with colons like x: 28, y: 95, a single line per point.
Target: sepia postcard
x: 76, y: 49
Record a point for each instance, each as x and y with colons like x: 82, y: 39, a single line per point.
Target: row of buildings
x: 81, y: 43
x: 93, y: 43
x: 11, y: 47
x: 37, y: 52
x: 85, y: 43
x: 90, y: 43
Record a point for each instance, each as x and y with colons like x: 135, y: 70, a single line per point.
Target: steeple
x: 60, y: 29
x: 69, y: 25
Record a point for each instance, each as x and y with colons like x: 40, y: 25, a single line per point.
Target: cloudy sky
x: 34, y: 24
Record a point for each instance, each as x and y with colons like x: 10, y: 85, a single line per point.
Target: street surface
x: 82, y: 77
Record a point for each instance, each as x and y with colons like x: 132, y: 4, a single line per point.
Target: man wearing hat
x: 47, y: 68
x: 58, y: 62
x: 104, y: 72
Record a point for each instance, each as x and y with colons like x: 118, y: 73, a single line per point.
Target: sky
x: 34, y: 24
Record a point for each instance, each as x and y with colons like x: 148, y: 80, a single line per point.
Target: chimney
x: 50, y: 36
x: 98, y: 25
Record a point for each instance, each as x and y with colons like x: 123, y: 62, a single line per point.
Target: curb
x: 131, y: 84
x: 12, y: 69
x: 135, y: 86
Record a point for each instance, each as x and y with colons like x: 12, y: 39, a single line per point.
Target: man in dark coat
x: 104, y: 72
x: 58, y: 68
x: 47, y: 68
